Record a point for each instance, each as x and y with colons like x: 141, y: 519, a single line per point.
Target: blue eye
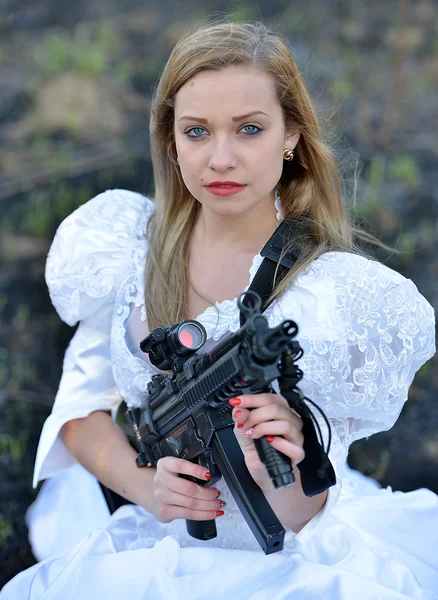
x: 197, y: 132
x: 194, y: 129
x: 258, y: 130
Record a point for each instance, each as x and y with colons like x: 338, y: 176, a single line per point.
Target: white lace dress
x: 365, y: 331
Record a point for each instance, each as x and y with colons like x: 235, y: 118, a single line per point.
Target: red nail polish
x: 234, y: 401
x: 239, y: 425
x: 223, y: 503
x: 207, y: 475
x: 237, y: 412
x: 218, y: 494
x: 219, y: 513
x: 270, y: 438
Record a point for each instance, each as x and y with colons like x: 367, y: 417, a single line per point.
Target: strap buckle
x: 278, y: 241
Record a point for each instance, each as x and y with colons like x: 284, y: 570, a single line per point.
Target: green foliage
x: 43, y: 214
x: 405, y: 170
x: 429, y: 234
x: 22, y: 315
x: 58, y: 162
x: 352, y: 59
x: 40, y: 144
x: 374, y: 177
x: 383, y: 463
x: 342, y: 88
x: 422, y: 85
x: 296, y: 21
x: 6, y: 530
x: 375, y: 466
x: 122, y: 73
x: 424, y: 372
x: 407, y: 245
x: 243, y: 12
x: 400, y: 169
x: 152, y: 69
x: 73, y: 125
x: 68, y: 198
x: 87, y: 51
x: 3, y: 366
x: 3, y: 302
x: 14, y: 447
x: 23, y: 372
x: 17, y: 449
x: 37, y: 219
x: 3, y: 374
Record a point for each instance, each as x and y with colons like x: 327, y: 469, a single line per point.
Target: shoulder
x: 340, y: 294
x: 91, y: 248
x: 351, y: 274
x: 117, y: 209
x: 342, y: 267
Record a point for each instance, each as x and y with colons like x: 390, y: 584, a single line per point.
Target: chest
x: 215, y: 279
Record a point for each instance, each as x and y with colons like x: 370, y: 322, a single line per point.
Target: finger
x: 173, y: 498
x: 257, y: 400
x: 170, y: 512
x: 180, y: 466
x: 279, y: 428
x: 270, y: 412
x: 292, y: 451
x: 240, y: 416
x: 185, y: 487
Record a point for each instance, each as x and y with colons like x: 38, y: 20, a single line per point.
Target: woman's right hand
x: 173, y: 497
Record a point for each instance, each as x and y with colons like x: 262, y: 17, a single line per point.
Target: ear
x: 291, y: 139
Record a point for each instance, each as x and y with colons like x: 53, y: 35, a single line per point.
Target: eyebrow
x: 200, y: 120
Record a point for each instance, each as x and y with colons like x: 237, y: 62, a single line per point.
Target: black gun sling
x: 271, y: 269
x: 317, y: 472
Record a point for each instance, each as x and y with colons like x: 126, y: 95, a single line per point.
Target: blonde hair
x: 309, y: 186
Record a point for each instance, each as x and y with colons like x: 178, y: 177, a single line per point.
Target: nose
x: 222, y: 157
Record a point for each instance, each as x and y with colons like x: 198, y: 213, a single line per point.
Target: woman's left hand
x: 270, y: 416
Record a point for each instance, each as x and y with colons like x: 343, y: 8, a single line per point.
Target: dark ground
x: 375, y: 62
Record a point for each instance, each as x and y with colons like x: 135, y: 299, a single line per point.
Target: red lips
x: 216, y: 183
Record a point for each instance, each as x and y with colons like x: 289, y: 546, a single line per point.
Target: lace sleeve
x: 87, y: 260
x: 89, y: 251
x: 366, y: 331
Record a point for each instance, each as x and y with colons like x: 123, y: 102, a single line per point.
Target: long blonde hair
x: 309, y: 185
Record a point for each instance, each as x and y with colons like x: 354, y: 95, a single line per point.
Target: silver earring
x: 288, y: 154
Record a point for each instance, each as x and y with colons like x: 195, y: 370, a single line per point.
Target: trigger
x: 175, y: 447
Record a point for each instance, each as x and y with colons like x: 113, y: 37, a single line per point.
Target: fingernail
x: 249, y: 432
x: 207, y: 475
x: 223, y: 503
x: 270, y: 438
x: 236, y: 412
x: 219, y: 513
x: 239, y: 425
x: 218, y: 494
x: 234, y: 401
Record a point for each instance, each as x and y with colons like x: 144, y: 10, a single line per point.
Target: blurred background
x: 76, y: 81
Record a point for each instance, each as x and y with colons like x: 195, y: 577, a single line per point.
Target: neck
x: 246, y: 232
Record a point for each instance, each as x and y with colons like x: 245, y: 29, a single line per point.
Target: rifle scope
x: 164, y: 344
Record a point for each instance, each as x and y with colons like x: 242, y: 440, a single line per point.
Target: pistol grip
x: 277, y: 464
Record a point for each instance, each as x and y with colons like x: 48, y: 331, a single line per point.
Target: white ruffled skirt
x: 374, y: 545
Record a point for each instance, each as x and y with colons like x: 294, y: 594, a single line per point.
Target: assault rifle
x: 186, y: 412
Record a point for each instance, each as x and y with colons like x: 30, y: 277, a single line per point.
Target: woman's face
x: 229, y: 127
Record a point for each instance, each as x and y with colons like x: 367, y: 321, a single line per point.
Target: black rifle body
x: 187, y: 415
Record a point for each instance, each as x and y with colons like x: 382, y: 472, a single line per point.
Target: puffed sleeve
x: 88, y: 258
x: 365, y: 331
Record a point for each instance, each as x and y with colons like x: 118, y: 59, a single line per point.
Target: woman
x: 236, y: 148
